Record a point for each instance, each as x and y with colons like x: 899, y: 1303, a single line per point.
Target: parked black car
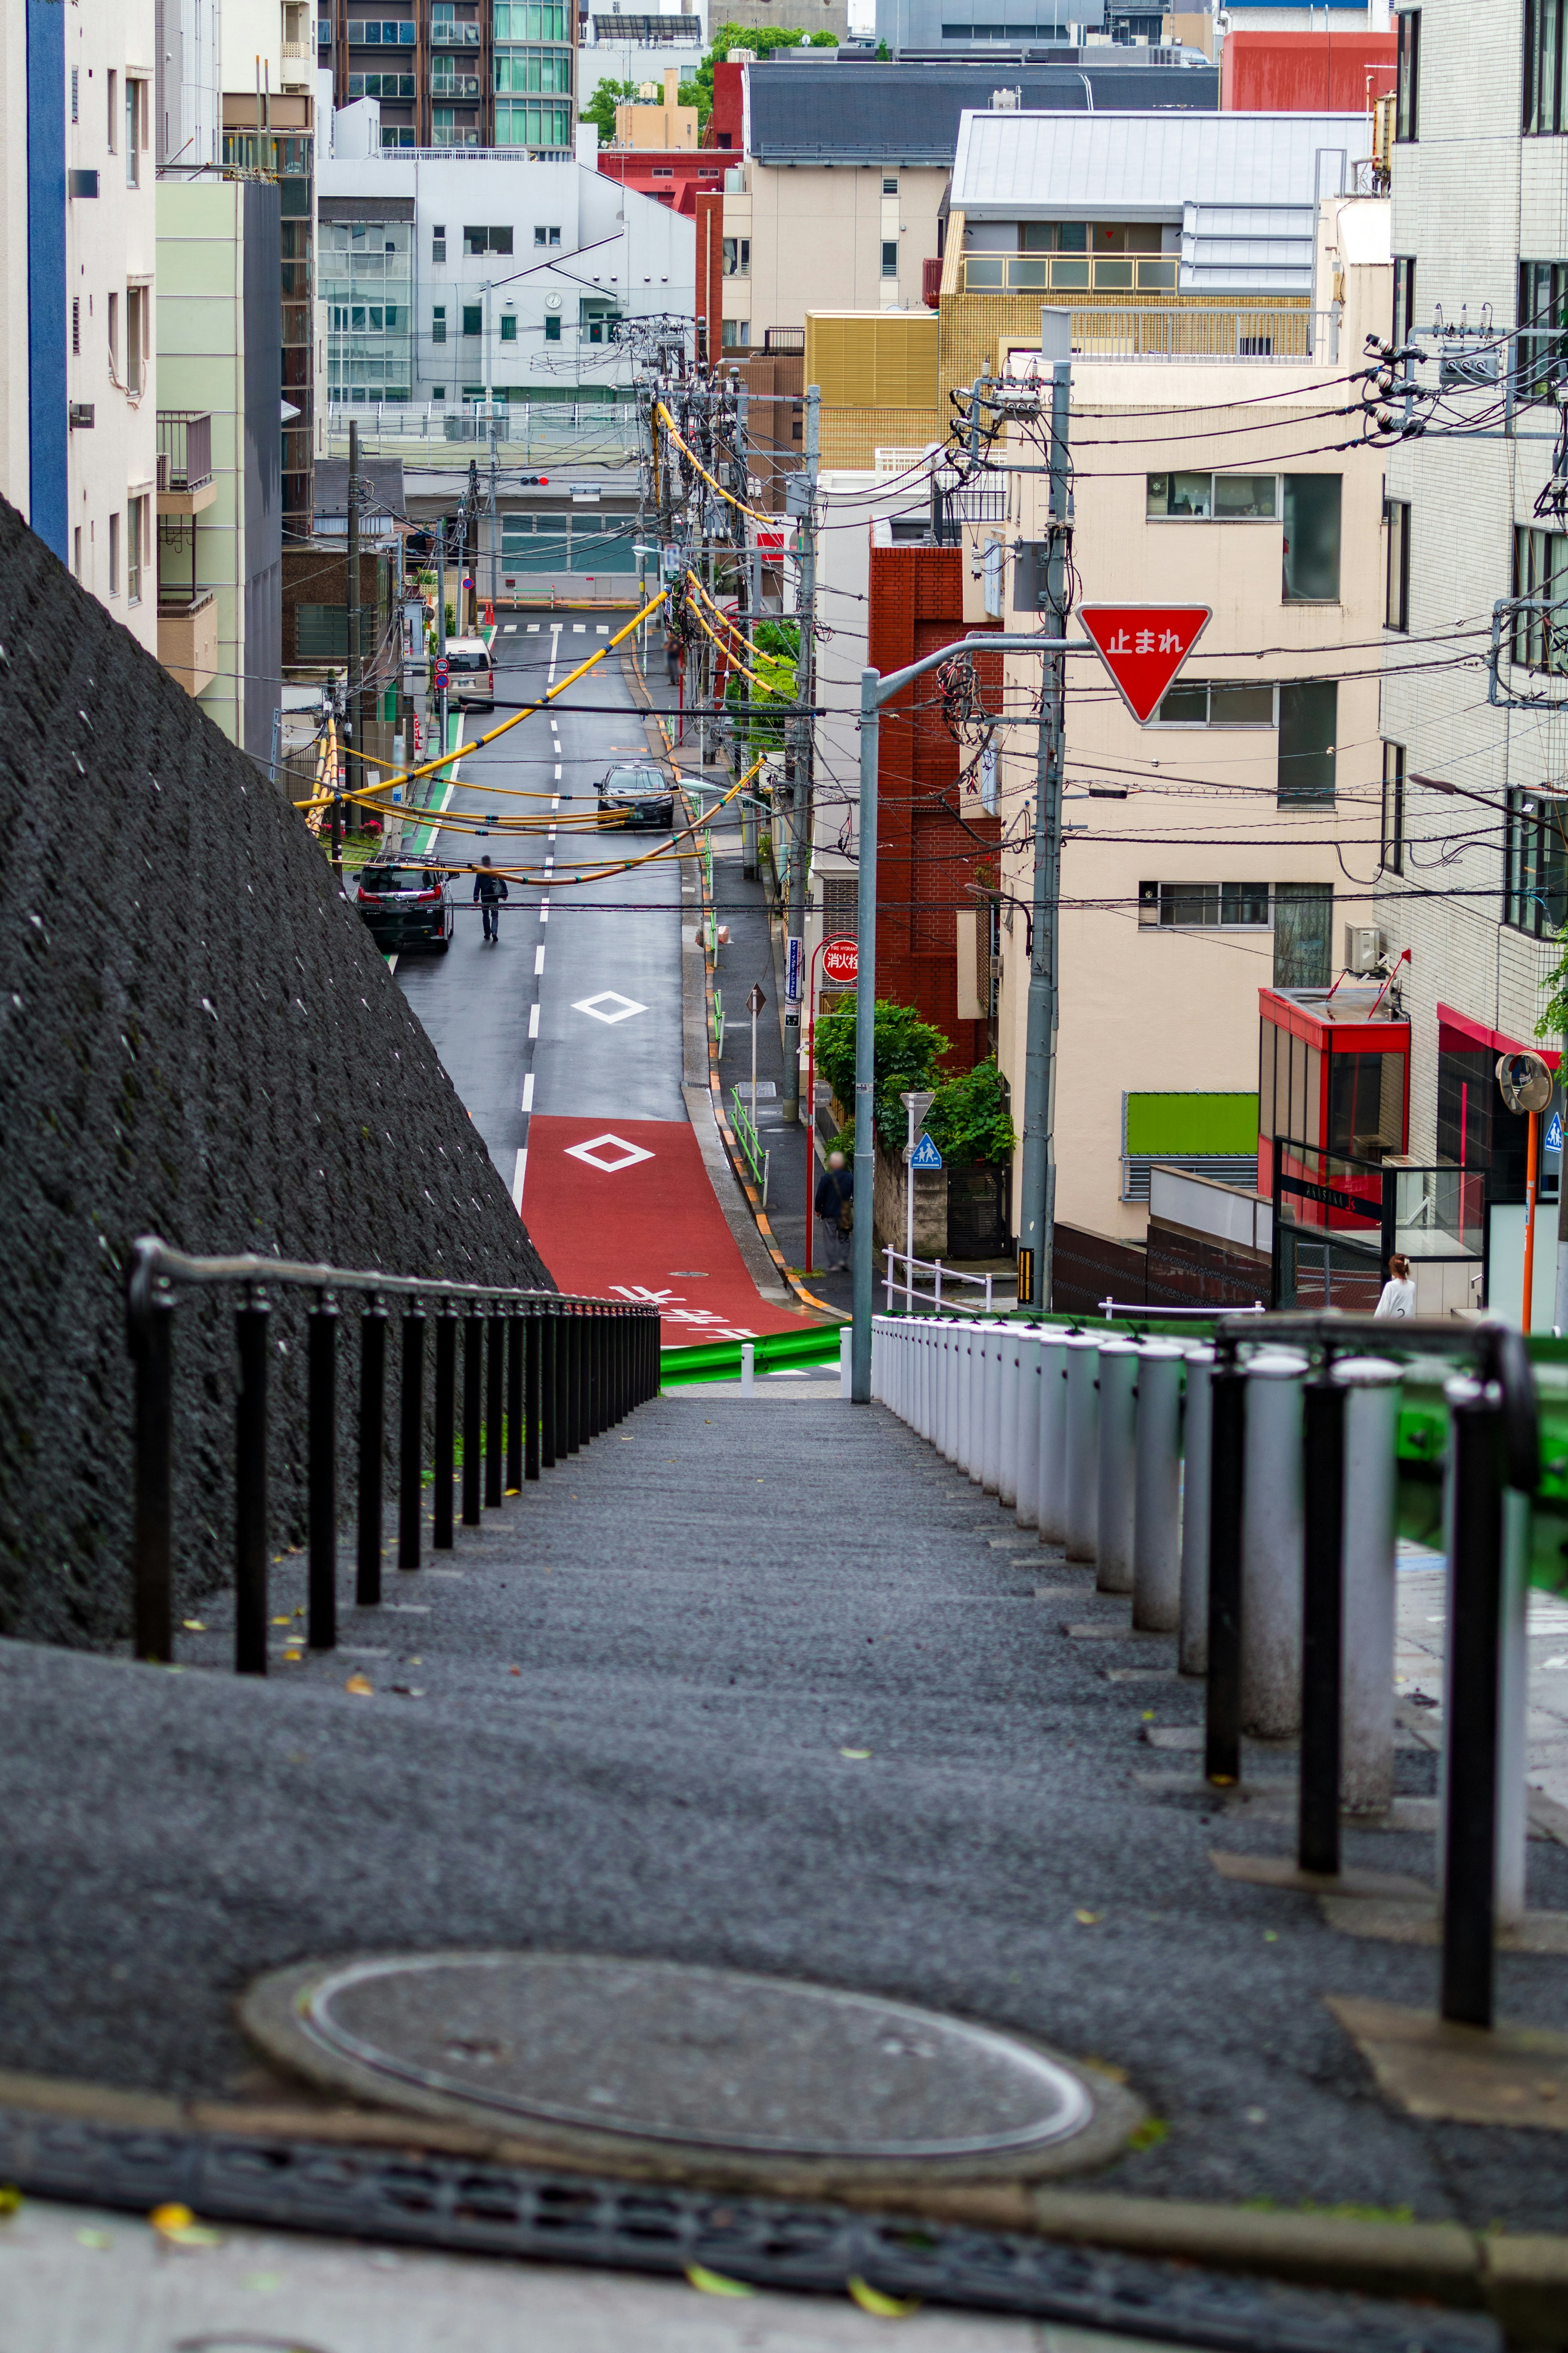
x: 407, y: 906
x: 638, y: 794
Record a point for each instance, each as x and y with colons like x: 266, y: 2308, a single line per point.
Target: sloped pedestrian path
x: 772, y: 1691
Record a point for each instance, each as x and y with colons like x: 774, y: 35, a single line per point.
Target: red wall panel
x: 1303, y: 73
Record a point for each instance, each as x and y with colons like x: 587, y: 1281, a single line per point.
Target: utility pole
x: 802, y: 505
x: 1037, y: 1209
x: 495, y: 526
x: 441, y: 632
x: 355, y: 716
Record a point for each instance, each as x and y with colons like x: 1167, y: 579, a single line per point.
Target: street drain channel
x: 688, y: 2071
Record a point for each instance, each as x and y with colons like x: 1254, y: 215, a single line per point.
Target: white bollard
x: 1513, y: 1680
x: 748, y: 1368
x: 1026, y: 1501
x: 1271, y: 1542
x: 1009, y: 1337
x: 1081, y: 1483
x: 968, y: 1381
x: 988, y: 1469
x: 948, y: 1440
x: 1117, y: 1466
x: 1157, y: 1518
x: 1192, y: 1648
x: 1367, y: 1624
x: 1051, y: 1511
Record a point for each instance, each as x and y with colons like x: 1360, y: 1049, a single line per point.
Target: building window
x: 1214, y: 703
x: 549, y: 71
x: 1540, y: 572
x: 76, y: 551
x: 113, y: 86
x: 1407, y: 83
x: 114, y: 553
x: 132, y: 133
x: 136, y: 338
x: 375, y: 32
x: 1403, y: 299
x: 135, y: 548
x: 734, y: 334
x: 546, y: 236
x: 532, y: 20
x: 553, y: 326
x: 664, y: 172
x: 473, y: 317
x: 1311, y: 568
x: 1396, y: 583
x: 114, y: 337
x: 1303, y: 934
x: 737, y: 260
x: 1537, y: 856
x: 533, y: 122
x: 1543, y: 36
x: 438, y: 325
x: 1542, y: 322
x: 889, y: 184
x: 889, y: 257
x: 1393, y: 809
x: 487, y: 241
x: 508, y: 327
x: 1211, y: 498
x: 1309, y: 713
x: 438, y: 243
x: 1185, y: 906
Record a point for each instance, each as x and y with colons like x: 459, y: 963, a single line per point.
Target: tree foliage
x: 777, y: 651
x: 907, y: 1050
x: 970, y: 1119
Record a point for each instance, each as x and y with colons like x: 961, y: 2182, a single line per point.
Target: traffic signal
x: 534, y: 481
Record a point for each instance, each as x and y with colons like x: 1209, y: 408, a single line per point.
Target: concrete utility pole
x: 356, y: 715
x: 1036, y: 1206
x: 441, y: 632
x: 801, y: 503
x: 495, y: 526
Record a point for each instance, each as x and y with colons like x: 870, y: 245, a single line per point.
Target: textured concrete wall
x: 198, y: 1040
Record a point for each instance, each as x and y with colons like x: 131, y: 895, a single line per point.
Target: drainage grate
x: 465, y: 2206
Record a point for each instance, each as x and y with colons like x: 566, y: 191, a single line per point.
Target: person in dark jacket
x: 489, y: 889
x: 835, y: 1207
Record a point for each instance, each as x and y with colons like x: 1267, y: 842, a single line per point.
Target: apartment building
x: 458, y: 73
x: 1472, y: 877
x: 841, y: 200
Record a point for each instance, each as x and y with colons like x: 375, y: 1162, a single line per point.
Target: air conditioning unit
x: 1363, y: 946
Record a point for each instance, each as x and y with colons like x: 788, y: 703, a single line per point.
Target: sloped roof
x: 1039, y: 166
x: 902, y: 113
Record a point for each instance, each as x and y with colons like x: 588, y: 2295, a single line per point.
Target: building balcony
x: 455, y: 85
x: 454, y: 37
x: 187, y: 637
x: 185, y: 483
x: 1069, y: 273
x: 298, y: 69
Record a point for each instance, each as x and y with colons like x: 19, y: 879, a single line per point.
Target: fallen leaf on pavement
x: 886, y: 2308
x: 1087, y: 1919
x: 193, y: 1625
x: 715, y: 2284
x: 10, y: 2198
x: 93, y: 2238
x: 291, y: 1658
x: 178, y: 2224
x: 856, y: 1753
x: 284, y: 1620
x: 361, y: 1686
x: 408, y: 1691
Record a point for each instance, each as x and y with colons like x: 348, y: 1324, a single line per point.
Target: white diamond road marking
x: 609, y: 1006
x: 593, y: 1153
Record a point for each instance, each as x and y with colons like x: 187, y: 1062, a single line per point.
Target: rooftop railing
x: 184, y: 449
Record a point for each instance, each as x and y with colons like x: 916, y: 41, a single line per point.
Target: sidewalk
x: 807, y: 1708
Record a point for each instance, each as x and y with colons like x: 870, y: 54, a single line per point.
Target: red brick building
x: 934, y: 859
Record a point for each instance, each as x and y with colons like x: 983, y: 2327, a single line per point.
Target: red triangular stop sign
x: 1144, y: 647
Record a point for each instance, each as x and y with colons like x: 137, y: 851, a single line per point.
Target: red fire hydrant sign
x: 1144, y: 647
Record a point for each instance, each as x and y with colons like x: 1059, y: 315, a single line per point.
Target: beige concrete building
x: 826, y: 235
x: 649, y: 121
x: 1204, y: 855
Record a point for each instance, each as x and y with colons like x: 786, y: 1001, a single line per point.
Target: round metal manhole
x: 650, y: 2054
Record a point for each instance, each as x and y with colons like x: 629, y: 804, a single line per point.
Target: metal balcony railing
x: 184, y: 449
x: 1069, y: 273
x: 444, y: 36
x: 543, y: 1374
x: 454, y: 85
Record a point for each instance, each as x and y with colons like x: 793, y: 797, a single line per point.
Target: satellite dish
x: 1525, y: 1080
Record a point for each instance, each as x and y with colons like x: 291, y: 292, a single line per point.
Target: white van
x: 470, y: 680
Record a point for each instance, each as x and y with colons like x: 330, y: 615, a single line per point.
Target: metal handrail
x: 558, y: 1368
x: 933, y: 1266
x: 752, y: 1151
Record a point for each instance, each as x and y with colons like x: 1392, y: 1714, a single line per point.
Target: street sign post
x: 1526, y: 1085
x: 841, y: 962
x: 754, y: 1003
x: 925, y: 1155
x: 1144, y: 647
x: 917, y: 1102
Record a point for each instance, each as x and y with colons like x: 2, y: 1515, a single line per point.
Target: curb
x: 1519, y: 2279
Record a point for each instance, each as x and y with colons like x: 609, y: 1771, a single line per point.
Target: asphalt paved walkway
x: 628, y: 1717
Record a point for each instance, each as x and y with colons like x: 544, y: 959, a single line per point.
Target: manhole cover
x: 645, y: 2055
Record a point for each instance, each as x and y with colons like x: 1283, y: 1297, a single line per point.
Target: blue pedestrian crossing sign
x: 925, y: 1155
x: 1554, y: 1132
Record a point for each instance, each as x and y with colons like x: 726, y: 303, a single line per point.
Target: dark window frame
x: 1539, y: 569
x: 1396, y: 568
x: 1393, y: 827
x: 1403, y: 298
x: 1542, y: 347
x: 1535, y: 864
x: 1545, y: 28
x: 1407, y: 78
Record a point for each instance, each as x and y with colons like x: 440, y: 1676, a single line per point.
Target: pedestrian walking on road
x: 835, y: 1207
x: 1399, y: 1292
x: 489, y: 889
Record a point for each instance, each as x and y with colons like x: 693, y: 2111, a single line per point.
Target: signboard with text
x: 841, y: 962
x: 1144, y: 647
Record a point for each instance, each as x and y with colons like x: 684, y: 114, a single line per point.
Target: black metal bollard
x: 473, y: 1416
x: 1322, y: 1621
x: 548, y: 1384
x: 250, y: 1331
x: 446, y: 1420
x: 495, y: 1410
x: 322, y: 1624
x: 152, y: 1540
x: 1469, y: 1829
x: 411, y: 1448
x: 372, y: 1445
x: 533, y: 1347
x: 575, y: 1352
x: 515, y: 1327
x: 1222, y: 1720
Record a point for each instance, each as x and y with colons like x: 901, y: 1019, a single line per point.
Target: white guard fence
x: 1281, y: 1593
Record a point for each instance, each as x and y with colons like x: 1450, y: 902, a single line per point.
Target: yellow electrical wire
x: 567, y: 878
x: 412, y: 776
x: 729, y: 654
x: 771, y: 522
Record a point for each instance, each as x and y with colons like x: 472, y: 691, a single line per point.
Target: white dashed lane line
x: 539, y: 959
x: 528, y: 1092
x: 533, y: 1015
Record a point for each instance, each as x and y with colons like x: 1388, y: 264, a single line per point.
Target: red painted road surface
x: 626, y: 1208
